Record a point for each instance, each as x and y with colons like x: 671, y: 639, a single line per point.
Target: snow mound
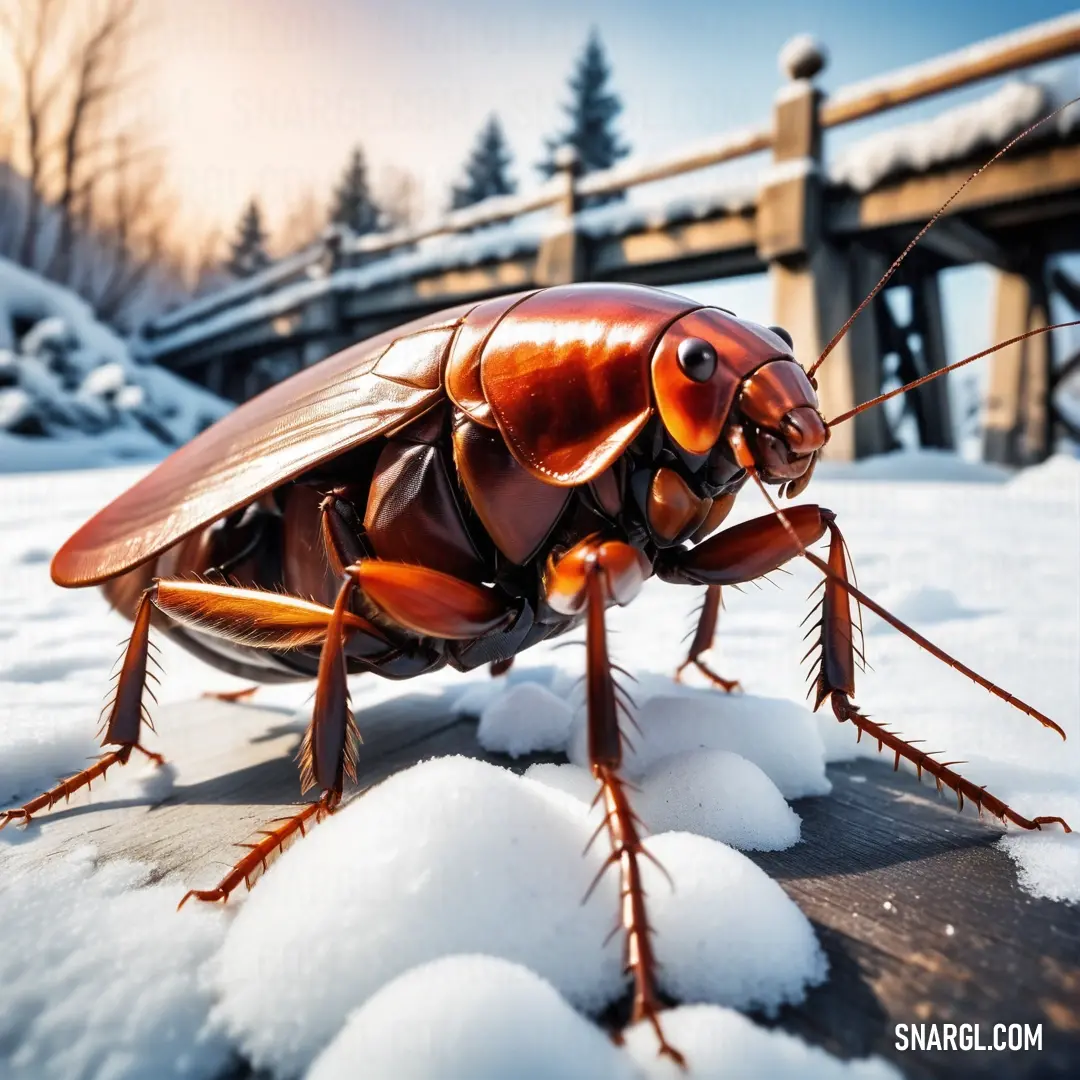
x: 450, y: 856
x: 777, y: 735
x: 717, y: 794
x: 100, y: 976
x: 1047, y: 861
x: 727, y: 934
x: 70, y: 393
x: 525, y: 718
x: 721, y: 1044
x: 469, y: 1018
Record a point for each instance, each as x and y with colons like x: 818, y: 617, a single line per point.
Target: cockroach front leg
x: 736, y: 555
x: 835, y: 680
x: 704, y: 636
x: 590, y: 576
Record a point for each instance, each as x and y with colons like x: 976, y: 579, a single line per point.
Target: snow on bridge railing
x: 567, y: 190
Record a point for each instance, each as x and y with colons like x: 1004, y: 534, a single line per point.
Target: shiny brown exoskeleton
x: 459, y: 489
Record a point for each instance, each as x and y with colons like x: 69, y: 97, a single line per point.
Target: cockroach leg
x: 249, y: 616
x: 423, y: 600
x: 834, y: 668
x: 704, y: 636
x: 122, y: 727
x: 274, y: 841
x: 746, y: 551
x: 590, y: 576
x: 48, y: 799
x: 327, y: 756
x: 430, y: 603
x: 243, y: 694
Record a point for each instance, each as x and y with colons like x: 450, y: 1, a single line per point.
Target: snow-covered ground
x: 433, y: 927
x: 70, y: 393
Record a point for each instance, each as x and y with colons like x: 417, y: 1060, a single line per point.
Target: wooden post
x: 926, y: 315
x: 816, y: 286
x: 1016, y: 420
x: 560, y: 260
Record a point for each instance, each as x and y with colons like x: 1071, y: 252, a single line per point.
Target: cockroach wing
x: 369, y: 389
x: 566, y: 374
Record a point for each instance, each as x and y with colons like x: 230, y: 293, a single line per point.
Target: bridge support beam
x: 1016, y: 420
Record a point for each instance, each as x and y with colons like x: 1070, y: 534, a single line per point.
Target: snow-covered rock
x: 70, y: 393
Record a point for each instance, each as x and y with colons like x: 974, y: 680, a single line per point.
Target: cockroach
x: 459, y: 489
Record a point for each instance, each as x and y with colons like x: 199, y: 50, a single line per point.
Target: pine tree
x: 353, y: 204
x: 486, y: 170
x: 248, y: 250
x: 592, y: 112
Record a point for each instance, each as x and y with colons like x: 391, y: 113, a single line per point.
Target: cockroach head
x: 731, y: 389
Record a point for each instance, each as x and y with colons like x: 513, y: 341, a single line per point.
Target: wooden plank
x: 881, y: 838
x: 652, y: 250
x: 914, y: 200
x: 884, y: 839
x: 997, y: 56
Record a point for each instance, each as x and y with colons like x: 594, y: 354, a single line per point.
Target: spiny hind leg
x: 122, y: 728
x: 835, y: 680
x: 704, y: 636
x: 256, y: 618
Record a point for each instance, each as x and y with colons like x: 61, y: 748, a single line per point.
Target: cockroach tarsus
x: 459, y: 489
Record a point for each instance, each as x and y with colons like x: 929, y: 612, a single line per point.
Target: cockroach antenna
x: 838, y: 336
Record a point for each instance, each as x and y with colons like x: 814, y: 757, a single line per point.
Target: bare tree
x: 399, y: 195
x: 96, y: 78
x: 93, y: 213
x: 28, y: 37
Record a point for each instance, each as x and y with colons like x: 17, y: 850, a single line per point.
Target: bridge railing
x: 567, y: 190
x: 1036, y: 44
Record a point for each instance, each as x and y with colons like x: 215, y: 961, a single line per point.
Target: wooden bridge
x: 823, y: 232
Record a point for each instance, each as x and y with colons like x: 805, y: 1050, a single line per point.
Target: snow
x: 469, y: 1018
x: 71, y: 395
x: 721, y: 1044
x: 943, y: 66
x: 524, y: 719
x: 801, y: 52
x: 718, y: 794
x: 777, y: 735
x: 726, y: 934
x: 457, y: 856
x: 620, y: 218
x: 956, y: 134
x: 100, y: 977
x: 431, y: 862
